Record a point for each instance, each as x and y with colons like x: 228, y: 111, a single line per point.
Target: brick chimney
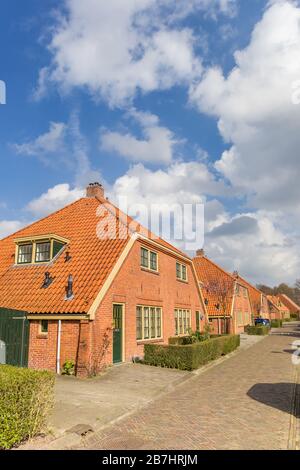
x: 200, y: 253
x: 95, y: 190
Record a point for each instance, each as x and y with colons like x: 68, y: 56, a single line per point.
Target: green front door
x: 117, y: 333
x: 14, y: 333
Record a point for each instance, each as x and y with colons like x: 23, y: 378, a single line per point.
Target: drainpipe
x: 58, y: 347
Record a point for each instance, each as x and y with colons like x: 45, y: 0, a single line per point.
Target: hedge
x: 257, y: 330
x: 26, y: 398
x: 276, y: 323
x: 191, y: 356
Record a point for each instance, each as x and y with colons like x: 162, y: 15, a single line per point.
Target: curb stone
x: 294, y: 432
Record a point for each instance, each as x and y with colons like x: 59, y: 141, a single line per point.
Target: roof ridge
x: 251, y: 285
x: 42, y: 219
x: 217, y: 266
x: 290, y: 300
x: 138, y: 224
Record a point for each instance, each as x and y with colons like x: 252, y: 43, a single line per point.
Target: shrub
x: 257, y: 330
x: 294, y: 316
x: 191, y: 356
x: 26, y: 398
x: 276, y: 323
x: 68, y: 368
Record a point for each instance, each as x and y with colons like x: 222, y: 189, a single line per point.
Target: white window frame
x: 149, y: 309
x: 180, y: 276
x: 183, y: 317
x: 149, y: 252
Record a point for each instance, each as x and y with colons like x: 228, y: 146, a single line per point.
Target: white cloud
x: 254, y: 108
x: 48, y: 143
x: 115, y: 49
x: 156, y: 146
x: 52, y: 200
x: 9, y: 226
x: 257, y: 246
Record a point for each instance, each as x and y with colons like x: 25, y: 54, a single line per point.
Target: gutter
x: 58, y: 347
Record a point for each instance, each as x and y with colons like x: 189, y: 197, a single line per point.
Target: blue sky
x: 135, y: 93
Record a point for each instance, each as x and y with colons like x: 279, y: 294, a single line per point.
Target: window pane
x: 42, y: 252
x: 180, y: 322
x: 139, y: 325
x: 184, y: 276
x: 158, y: 322
x: 188, y: 322
x: 44, y: 326
x: 153, y: 261
x: 184, y: 321
x: 176, y: 323
x: 178, y: 271
x: 25, y: 254
x: 146, y: 323
x: 152, y: 322
x: 198, y: 321
x: 144, y: 258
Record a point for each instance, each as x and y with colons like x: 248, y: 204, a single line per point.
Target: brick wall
x: 89, y: 343
x: 43, y: 348
x: 134, y: 286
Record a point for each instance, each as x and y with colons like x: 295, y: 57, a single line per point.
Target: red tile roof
x: 215, y: 281
x: 275, y: 301
x: 289, y: 303
x: 92, y: 259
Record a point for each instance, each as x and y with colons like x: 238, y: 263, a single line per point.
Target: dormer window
x: 40, y: 250
x: 25, y: 254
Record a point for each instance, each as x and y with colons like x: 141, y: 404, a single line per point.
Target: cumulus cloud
x: 9, y: 226
x: 49, y: 143
x: 52, y: 200
x: 255, y: 112
x: 256, y: 245
x: 147, y: 51
x: 156, y: 146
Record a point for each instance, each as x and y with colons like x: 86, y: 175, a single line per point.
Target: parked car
x: 262, y: 322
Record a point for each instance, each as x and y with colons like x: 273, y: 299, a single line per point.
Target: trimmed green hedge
x: 257, y: 330
x: 294, y: 316
x: 26, y: 398
x: 276, y: 323
x: 191, y: 356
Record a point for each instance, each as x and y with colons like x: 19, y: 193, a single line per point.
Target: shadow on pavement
x: 278, y: 395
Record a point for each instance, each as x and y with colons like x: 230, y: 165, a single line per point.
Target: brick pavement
x: 243, y: 403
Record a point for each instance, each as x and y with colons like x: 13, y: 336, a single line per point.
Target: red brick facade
x: 89, y: 343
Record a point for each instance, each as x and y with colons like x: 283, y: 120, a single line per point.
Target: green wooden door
x: 14, y: 332
x: 117, y: 333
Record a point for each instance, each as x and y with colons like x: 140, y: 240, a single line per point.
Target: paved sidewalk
x: 246, y: 402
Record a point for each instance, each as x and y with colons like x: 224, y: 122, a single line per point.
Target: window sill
x: 149, y: 341
x: 42, y: 336
x: 182, y: 281
x: 150, y: 271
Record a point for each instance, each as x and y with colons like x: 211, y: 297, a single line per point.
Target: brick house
x: 278, y: 311
x: 90, y: 285
x: 290, y: 304
x: 226, y: 297
x: 259, y: 300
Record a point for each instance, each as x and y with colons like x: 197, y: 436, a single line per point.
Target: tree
x: 265, y: 289
x: 221, y: 291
